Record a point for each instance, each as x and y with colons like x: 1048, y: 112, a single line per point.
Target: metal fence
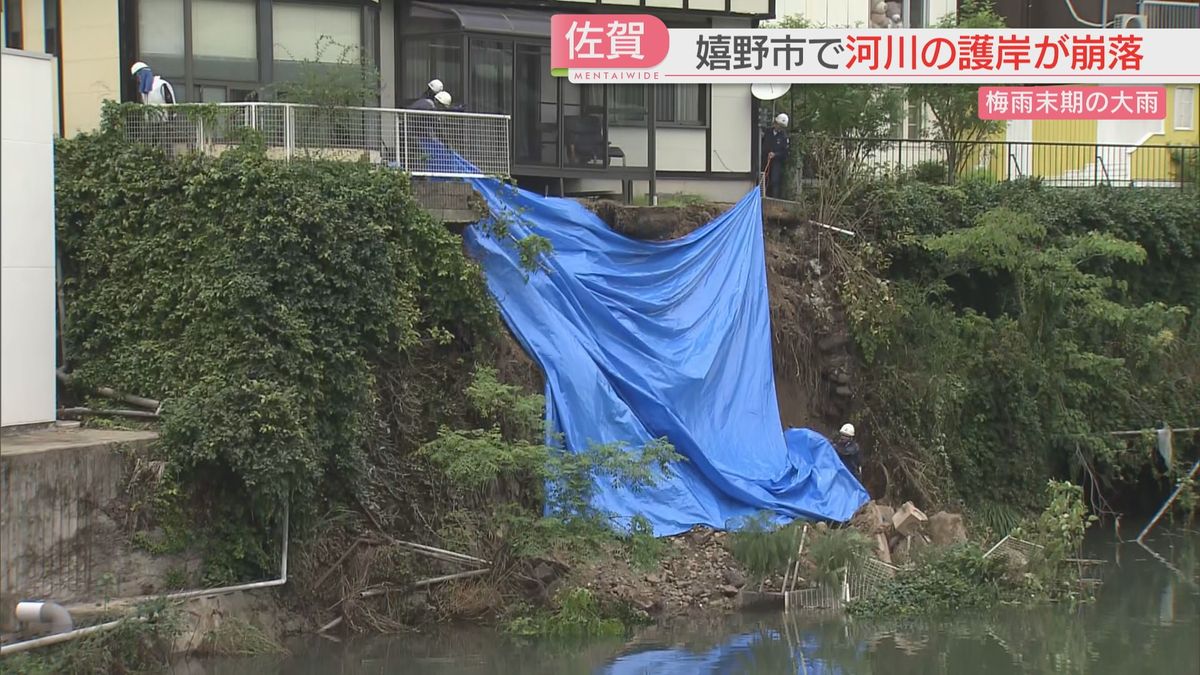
x: 1161, y: 14
x: 397, y: 138
x: 873, y: 575
x: 1057, y: 164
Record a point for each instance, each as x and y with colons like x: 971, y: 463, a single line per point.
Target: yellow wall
x: 1154, y: 163
x: 33, y: 26
x: 91, y: 61
x: 1055, y: 160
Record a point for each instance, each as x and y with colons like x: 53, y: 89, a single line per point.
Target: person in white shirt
x: 152, y: 89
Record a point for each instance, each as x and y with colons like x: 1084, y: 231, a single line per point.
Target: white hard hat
x: 136, y: 67
x: 442, y: 97
x: 435, y: 86
x: 781, y: 119
x: 847, y: 430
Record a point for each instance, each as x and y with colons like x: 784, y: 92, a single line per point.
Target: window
x: 12, y: 24
x: 424, y: 60
x: 491, y: 76
x: 917, y: 14
x: 50, y: 12
x: 1185, y: 108
x: 684, y: 104
x: 160, y: 37
x: 676, y: 104
x: 321, y: 33
x: 536, y: 114
x: 225, y: 40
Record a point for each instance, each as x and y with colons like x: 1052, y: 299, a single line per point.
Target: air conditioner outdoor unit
x: 1127, y: 21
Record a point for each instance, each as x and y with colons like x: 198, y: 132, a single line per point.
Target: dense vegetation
x: 1007, y: 328
x: 963, y: 577
x: 318, y: 340
x: 270, y: 305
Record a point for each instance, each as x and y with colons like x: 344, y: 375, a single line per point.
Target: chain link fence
x: 421, y: 143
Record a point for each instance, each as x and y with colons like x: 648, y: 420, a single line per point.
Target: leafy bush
x: 536, y: 496
x: 1015, y: 325
x: 1059, y: 531
x: 930, y: 171
x: 579, y: 615
x: 951, y: 579
x: 259, y: 299
x: 645, y: 550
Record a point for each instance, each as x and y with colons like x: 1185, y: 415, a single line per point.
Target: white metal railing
x: 1163, y: 14
x: 414, y: 141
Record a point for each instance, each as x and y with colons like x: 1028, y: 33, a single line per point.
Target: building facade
x: 494, y: 57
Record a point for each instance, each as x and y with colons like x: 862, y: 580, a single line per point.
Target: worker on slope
x: 775, y: 147
x: 152, y: 89
x: 848, y: 450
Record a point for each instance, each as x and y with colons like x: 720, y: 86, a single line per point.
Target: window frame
x: 705, y: 101
x: 188, y: 89
x: 1191, y: 119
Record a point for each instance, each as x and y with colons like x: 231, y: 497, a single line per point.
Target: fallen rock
x: 735, y: 578
x: 886, y: 513
x: 729, y: 591
x: 881, y: 548
x: 908, y: 519
x: 947, y: 529
x: 908, y: 549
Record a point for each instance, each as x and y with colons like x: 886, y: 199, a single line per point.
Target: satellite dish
x: 769, y: 92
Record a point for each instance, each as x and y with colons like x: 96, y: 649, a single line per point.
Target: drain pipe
x: 46, y: 612
x: 107, y: 392
x: 5, y: 650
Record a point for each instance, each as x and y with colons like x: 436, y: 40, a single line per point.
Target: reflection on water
x: 1146, y: 619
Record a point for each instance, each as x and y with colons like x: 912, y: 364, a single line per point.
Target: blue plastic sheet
x: 641, y: 340
x: 750, y: 652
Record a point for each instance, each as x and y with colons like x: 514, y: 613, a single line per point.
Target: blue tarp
x: 641, y: 340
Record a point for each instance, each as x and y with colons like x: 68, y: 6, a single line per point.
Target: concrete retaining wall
x: 56, y: 541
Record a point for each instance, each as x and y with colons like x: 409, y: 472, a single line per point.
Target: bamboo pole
x: 1167, y: 504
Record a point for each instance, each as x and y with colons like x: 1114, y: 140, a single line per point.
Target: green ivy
x: 260, y: 300
x: 1008, y: 327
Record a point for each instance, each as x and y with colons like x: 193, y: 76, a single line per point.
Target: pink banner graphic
x: 607, y: 41
x: 1073, y: 103
x: 640, y: 48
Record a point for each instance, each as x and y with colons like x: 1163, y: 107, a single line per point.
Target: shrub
x: 259, y: 299
x: 951, y: 579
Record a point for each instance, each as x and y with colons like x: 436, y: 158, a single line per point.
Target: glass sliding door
x: 491, y: 77
x: 535, y: 119
x: 584, y: 133
x: 424, y: 59
x: 628, y: 125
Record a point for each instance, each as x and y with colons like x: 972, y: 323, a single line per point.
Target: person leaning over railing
x: 423, y: 127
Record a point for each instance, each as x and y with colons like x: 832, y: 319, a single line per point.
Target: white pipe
x: 61, y: 637
x: 184, y: 595
x: 45, y: 612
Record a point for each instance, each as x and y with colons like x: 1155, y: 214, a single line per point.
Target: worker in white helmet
x: 152, y: 89
x: 775, y: 147
x: 847, y: 448
x: 439, y: 101
x: 432, y: 89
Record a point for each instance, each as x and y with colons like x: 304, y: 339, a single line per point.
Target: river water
x: 1145, y: 619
